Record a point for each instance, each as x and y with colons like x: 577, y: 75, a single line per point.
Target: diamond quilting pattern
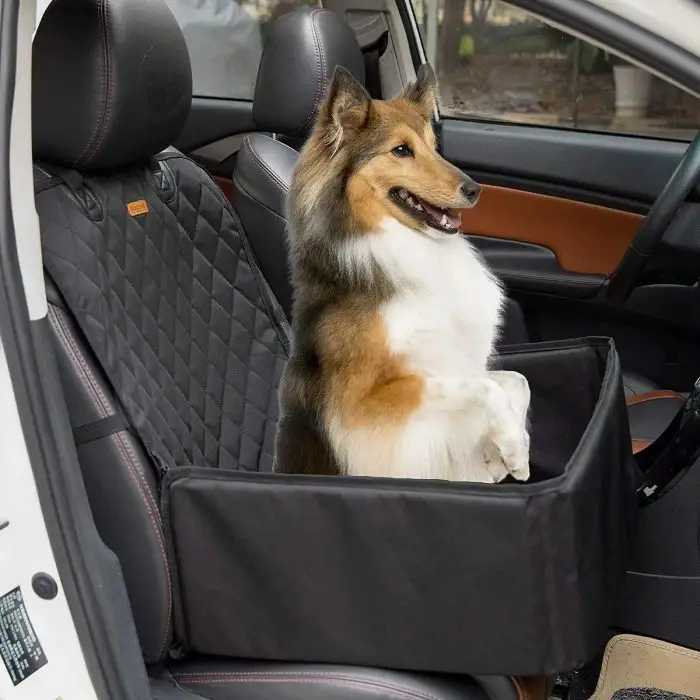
x: 175, y: 310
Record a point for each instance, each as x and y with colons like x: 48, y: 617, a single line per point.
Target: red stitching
x: 294, y: 677
x: 77, y: 361
x: 155, y: 521
x: 104, y: 407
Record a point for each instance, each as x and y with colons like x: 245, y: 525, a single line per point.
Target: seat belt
x: 371, y: 55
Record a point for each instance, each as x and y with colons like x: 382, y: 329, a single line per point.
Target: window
x: 496, y: 61
x: 225, y: 38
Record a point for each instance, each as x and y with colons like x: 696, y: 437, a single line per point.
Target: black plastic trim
x: 415, y: 42
x: 624, y: 167
x: 213, y: 119
x: 530, y: 267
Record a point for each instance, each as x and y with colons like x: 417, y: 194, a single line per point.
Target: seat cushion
x: 218, y: 679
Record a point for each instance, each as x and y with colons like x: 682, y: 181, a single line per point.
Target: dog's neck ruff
x: 407, y: 257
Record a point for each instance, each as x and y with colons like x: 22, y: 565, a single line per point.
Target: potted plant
x: 632, y: 89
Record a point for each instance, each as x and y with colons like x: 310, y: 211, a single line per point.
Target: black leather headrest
x: 111, y: 84
x: 301, y: 51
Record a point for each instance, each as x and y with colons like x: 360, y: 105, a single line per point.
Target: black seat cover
x: 179, y: 319
x: 300, y: 54
x: 161, y: 316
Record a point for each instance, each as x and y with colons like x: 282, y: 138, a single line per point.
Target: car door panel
x: 558, y: 210
x: 535, y: 268
x: 625, y: 172
x: 584, y: 238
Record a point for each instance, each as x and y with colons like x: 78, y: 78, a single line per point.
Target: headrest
x: 111, y: 83
x: 301, y: 51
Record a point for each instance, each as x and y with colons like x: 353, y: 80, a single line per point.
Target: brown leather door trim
x: 639, y: 445
x: 653, y: 396
x: 584, y: 237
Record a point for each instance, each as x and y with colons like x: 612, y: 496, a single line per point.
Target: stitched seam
x: 105, y: 82
x: 98, y: 397
x: 243, y: 189
x: 321, y: 63
x: 300, y: 677
x: 100, y: 401
x: 258, y: 159
x: 131, y: 462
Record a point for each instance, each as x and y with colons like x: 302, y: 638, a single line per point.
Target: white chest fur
x: 471, y: 425
x: 445, y: 319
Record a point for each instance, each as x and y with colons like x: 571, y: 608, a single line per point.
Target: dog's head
x: 389, y: 157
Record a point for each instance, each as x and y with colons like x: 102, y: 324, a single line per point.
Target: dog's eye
x: 402, y: 151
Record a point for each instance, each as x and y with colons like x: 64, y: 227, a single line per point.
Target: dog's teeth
x: 444, y: 220
x: 412, y: 202
x: 419, y: 207
x: 403, y: 194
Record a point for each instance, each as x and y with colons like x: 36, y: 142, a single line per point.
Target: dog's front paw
x: 513, y: 445
x: 516, y: 388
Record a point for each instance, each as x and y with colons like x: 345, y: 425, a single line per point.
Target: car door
x: 572, y: 145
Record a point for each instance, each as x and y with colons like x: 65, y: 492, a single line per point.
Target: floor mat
x: 647, y: 669
x: 648, y: 694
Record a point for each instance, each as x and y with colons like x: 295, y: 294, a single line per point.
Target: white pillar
x: 431, y: 31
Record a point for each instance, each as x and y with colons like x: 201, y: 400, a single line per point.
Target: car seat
x: 169, y: 343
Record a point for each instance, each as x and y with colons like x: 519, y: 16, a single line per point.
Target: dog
x: 395, y: 314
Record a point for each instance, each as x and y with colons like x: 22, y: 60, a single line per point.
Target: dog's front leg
x: 510, y: 433
x: 496, y: 405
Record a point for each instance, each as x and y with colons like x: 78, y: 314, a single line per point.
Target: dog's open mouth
x: 447, y: 220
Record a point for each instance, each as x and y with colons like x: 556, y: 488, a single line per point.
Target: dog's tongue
x: 449, y: 217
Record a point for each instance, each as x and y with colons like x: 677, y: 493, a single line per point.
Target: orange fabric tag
x: 137, y: 208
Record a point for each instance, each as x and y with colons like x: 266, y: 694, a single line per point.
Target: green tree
x: 453, y: 28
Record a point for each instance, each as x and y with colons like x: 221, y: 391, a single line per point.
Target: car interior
x: 163, y: 226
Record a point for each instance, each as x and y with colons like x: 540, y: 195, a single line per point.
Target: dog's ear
x: 423, y: 91
x: 346, y: 107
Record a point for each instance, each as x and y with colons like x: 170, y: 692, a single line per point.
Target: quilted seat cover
x: 173, y: 305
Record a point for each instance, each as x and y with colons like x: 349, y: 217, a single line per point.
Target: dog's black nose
x: 471, y: 191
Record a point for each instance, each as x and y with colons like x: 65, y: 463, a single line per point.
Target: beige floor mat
x: 640, y: 662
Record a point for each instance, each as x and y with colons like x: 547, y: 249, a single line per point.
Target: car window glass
x: 225, y: 38
x: 496, y: 61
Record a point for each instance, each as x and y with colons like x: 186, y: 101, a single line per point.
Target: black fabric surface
x: 421, y: 575
x: 177, y: 314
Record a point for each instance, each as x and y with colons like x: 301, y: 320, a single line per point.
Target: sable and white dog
x: 395, y: 314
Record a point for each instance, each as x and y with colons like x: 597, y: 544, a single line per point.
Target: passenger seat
x: 169, y: 343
